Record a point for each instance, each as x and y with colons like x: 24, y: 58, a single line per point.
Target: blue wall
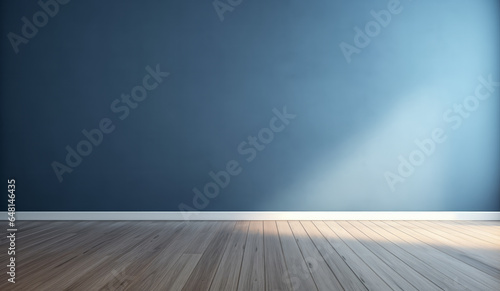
x: 391, y: 110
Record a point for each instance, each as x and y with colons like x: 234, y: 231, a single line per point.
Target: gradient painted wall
x: 305, y: 105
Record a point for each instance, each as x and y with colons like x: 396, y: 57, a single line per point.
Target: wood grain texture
x: 299, y: 273
x: 228, y: 272
x: 255, y: 255
x: 368, y: 276
x: 252, y: 276
x: 203, y: 273
x: 276, y: 272
x: 475, y: 256
x: 416, y: 279
x: 322, y: 275
x: 461, y: 274
x: 408, y: 254
x: 345, y: 275
x: 389, y: 275
x: 478, y: 231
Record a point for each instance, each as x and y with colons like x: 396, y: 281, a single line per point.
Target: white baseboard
x: 259, y: 215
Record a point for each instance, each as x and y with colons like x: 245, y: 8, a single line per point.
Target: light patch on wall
x: 351, y: 175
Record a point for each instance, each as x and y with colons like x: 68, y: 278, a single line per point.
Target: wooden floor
x: 255, y: 255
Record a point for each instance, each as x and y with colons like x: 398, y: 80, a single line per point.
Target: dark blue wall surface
x: 390, y: 110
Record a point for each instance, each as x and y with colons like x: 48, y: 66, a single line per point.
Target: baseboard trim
x: 259, y: 215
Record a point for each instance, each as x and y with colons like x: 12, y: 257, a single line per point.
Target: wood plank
x: 346, y: 276
x: 78, y: 251
x: 38, y: 239
x: 300, y: 276
x: 40, y: 261
x: 322, y: 275
x: 179, y: 273
x: 133, y: 254
x: 416, y: 279
x: 204, y: 237
x: 478, y: 230
x: 252, y: 275
x: 463, y: 233
x: 391, y: 277
x: 276, y: 273
x: 455, y: 274
x: 203, y: 273
x: 228, y: 255
x: 452, y: 267
x: 152, y: 272
x: 369, y: 278
x: 492, y: 223
x: 410, y: 275
x: 474, y: 257
x: 228, y: 273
